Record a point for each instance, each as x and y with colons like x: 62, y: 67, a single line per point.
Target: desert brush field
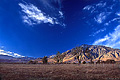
x: 60, y: 71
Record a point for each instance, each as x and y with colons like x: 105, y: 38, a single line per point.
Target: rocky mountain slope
x: 98, y: 52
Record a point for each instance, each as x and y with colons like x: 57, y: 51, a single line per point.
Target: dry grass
x: 60, y: 72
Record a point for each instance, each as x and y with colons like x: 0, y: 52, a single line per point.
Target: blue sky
x: 42, y: 27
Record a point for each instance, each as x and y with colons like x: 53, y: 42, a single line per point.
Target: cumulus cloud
x: 9, y: 53
x: 32, y: 15
x: 111, y: 39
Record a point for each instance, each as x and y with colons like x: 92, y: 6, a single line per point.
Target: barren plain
x: 60, y: 72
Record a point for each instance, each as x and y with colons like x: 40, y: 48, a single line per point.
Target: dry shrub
x: 108, y: 61
x: 32, y: 62
x: 98, y: 62
x: 83, y: 62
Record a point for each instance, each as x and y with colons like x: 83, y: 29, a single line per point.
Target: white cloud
x: 27, y: 20
x: 32, y: 15
x: 98, y: 12
x: 112, y: 39
x: 1, y: 50
x: 101, y: 4
x: 101, y: 17
x: 61, y: 14
x: 88, y: 7
x: 16, y: 55
x: 115, y: 19
x: 104, y: 14
x: 93, y: 7
x: 99, y: 41
x: 101, y: 30
x: 9, y: 53
x: 118, y: 13
x: 2, y: 53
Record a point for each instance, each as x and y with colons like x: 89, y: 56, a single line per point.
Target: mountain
x: 9, y: 53
x: 97, y: 51
x: 27, y: 58
x: 10, y: 59
x: 6, y: 57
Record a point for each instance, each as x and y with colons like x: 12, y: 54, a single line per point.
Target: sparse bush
x: 73, y: 63
x: 79, y: 61
x: 59, y: 57
x: 98, y: 62
x: 110, y: 61
x: 44, y: 60
x: 32, y: 62
x: 89, y: 55
x: 91, y: 62
x: 102, y: 62
x: 83, y: 62
x: 35, y: 62
x: 79, y: 55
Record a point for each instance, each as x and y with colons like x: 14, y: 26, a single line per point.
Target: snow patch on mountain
x: 9, y: 53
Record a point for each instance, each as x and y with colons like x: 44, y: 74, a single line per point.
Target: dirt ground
x: 60, y: 72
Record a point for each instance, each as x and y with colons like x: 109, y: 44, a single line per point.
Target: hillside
x: 97, y: 51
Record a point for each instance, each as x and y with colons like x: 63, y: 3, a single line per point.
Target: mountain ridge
x: 98, y: 52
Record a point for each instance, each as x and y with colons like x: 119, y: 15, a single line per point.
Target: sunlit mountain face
x: 42, y: 27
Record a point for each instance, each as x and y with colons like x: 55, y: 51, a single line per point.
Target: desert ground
x: 60, y: 72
